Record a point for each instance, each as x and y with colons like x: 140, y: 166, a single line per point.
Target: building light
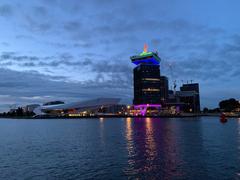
x: 151, y: 90
x: 151, y: 79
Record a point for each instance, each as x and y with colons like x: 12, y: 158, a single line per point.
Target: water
x: 190, y: 148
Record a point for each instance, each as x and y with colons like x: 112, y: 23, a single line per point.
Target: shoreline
x: 117, y: 116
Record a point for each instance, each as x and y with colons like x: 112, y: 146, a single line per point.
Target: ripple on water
x: 153, y: 148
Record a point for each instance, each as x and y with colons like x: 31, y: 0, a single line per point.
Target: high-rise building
x: 190, y: 87
x: 190, y: 96
x: 151, y: 90
x: 164, y: 88
x: 147, y: 81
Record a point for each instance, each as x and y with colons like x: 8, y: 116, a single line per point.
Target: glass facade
x: 192, y: 102
x: 164, y: 88
x: 147, y: 84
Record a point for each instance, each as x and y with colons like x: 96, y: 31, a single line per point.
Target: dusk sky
x: 74, y: 50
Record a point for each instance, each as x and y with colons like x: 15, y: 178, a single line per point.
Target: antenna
x: 174, y: 87
x: 145, y: 49
x: 171, y: 72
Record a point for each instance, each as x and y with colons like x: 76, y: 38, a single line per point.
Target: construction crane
x: 174, y: 86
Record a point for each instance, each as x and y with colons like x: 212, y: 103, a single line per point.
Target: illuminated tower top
x: 146, y: 57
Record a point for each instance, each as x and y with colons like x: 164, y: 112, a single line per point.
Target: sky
x: 74, y: 50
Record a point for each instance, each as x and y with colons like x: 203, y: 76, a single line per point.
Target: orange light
x: 145, y: 49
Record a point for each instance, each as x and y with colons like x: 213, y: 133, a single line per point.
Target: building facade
x: 147, y: 84
x: 164, y: 89
x: 83, y: 108
x: 151, y: 90
x: 146, y: 78
x: 190, y: 96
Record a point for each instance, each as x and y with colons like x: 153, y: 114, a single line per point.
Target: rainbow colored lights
x: 146, y: 61
x: 146, y: 58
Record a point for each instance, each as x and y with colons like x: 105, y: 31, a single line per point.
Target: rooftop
x: 146, y: 57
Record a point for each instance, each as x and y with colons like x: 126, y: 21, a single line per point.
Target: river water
x: 118, y: 148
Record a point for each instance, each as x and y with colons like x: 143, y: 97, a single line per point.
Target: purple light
x: 143, y: 107
x: 147, y: 105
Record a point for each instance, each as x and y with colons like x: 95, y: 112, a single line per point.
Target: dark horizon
x: 57, y: 50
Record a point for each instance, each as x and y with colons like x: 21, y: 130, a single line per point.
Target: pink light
x: 147, y: 105
x: 143, y: 107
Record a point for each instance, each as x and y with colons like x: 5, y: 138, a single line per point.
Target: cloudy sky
x: 79, y: 49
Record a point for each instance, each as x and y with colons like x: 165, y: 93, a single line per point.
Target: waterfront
x: 182, y: 148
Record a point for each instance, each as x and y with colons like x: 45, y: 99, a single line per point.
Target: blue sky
x: 79, y: 49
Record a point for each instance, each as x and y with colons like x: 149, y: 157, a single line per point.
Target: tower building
x: 191, y: 99
x: 147, y: 81
x: 164, y: 89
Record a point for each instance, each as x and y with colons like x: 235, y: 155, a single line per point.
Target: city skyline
x: 55, y: 50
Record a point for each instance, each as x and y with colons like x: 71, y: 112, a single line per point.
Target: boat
x: 223, y: 118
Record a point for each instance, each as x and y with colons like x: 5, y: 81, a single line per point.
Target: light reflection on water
x: 150, y: 150
x: 238, y: 173
x: 101, y: 121
x: 135, y: 148
x: 180, y: 148
x: 150, y: 144
x: 129, y: 137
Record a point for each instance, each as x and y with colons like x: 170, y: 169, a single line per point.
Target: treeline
x: 19, y: 112
x: 228, y: 105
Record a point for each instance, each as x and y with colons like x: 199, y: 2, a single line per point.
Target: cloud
x: 221, y: 63
x: 5, y: 44
x: 88, y: 44
x: 6, y: 10
x: 13, y: 56
x: 36, y: 24
x: 72, y: 26
x: 40, y: 11
x: 26, y: 86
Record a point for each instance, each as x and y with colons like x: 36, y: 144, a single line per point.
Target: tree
x: 205, y: 110
x: 19, y: 111
x: 229, y: 105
